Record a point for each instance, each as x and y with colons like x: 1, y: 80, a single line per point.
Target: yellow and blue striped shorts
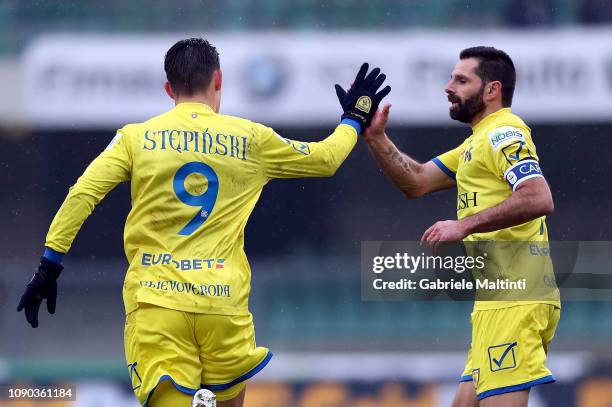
x: 509, y: 347
x: 193, y: 351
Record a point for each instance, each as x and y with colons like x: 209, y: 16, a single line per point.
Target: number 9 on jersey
x: 205, y: 201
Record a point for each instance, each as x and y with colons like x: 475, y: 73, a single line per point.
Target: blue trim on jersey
x: 53, y: 256
x: 466, y: 378
x: 353, y: 123
x: 246, y: 376
x: 444, y: 168
x: 180, y: 388
x: 518, y: 387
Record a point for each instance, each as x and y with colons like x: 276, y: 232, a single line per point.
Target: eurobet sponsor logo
x: 152, y: 259
x: 502, y: 134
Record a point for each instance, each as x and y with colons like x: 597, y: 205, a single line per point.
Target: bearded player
x: 195, y: 177
x: 501, y: 196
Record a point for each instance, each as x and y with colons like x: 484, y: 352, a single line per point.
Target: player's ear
x: 218, y: 78
x: 493, y: 90
x: 169, y: 91
x: 217, y: 81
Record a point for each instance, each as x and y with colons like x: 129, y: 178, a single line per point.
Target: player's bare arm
x: 414, y: 179
x: 531, y: 200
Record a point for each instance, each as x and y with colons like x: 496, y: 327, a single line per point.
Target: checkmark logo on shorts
x: 502, y: 356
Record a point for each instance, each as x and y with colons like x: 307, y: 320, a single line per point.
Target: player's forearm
x: 69, y: 218
x: 100, y: 177
x: 402, y: 170
x: 523, y: 205
x: 336, y: 148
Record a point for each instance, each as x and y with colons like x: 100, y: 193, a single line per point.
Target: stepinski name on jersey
x: 205, y: 290
x: 152, y: 259
x: 203, y: 142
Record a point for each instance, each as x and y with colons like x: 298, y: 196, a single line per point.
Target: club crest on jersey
x: 467, y: 154
x: 502, y: 134
x: 364, y: 103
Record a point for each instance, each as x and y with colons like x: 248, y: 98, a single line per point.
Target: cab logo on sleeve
x: 502, y: 357
x: 522, y: 171
x: 364, y: 103
x: 114, y: 140
x: 501, y: 135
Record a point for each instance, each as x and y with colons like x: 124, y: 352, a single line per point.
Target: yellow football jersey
x: 488, y: 166
x: 195, y: 178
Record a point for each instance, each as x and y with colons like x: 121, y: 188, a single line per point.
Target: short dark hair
x: 190, y: 64
x: 494, y: 65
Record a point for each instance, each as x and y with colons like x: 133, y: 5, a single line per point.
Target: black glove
x: 43, y: 285
x: 361, y: 101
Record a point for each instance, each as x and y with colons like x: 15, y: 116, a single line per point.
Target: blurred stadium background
x: 73, y: 72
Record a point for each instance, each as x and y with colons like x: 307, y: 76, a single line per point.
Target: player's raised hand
x: 42, y: 286
x: 361, y: 101
x: 444, y: 231
x: 379, y: 124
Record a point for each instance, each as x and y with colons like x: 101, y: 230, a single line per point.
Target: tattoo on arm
x: 398, y: 158
x: 399, y: 167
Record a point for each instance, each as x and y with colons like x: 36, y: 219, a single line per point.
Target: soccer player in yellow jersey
x: 195, y: 177
x: 501, y: 196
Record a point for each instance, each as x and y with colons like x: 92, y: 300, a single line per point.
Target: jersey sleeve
x: 110, y: 168
x: 513, y: 155
x: 449, y: 162
x: 284, y: 158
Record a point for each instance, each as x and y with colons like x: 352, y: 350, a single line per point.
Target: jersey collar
x: 195, y: 107
x: 488, y: 119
